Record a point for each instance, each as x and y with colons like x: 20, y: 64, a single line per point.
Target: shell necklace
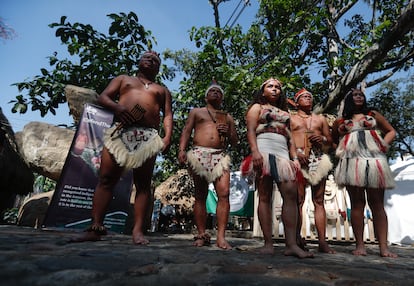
x: 146, y: 84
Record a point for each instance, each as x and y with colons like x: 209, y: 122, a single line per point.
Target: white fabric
x: 273, y: 143
x: 399, y: 203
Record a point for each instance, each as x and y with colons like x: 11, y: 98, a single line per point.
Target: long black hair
x: 260, y: 99
x: 349, y: 105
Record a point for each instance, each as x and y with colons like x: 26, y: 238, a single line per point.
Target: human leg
x: 289, y: 218
x: 109, y: 174
x: 301, y: 200
x: 375, y: 198
x: 142, y: 181
x: 264, y: 212
x: 222, y: 186
x: 200, y: 211
x: 357, y: 197
x: 318, y: 192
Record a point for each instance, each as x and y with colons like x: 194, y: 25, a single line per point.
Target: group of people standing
x: 286, y: 149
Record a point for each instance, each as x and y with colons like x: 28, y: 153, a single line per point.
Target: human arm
x: 335, y: 133
x: 326, y: 131
x: 167, y: 121
x: 292, y: 148
x: 324, y: 138
x: 298, y: 135
x: 232, y: 132
x: 252, y: 118
x: 185, y: 137
x: 385, y: 127
x: 107, y: 100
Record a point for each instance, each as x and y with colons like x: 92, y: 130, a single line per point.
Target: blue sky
x: 22, y: 57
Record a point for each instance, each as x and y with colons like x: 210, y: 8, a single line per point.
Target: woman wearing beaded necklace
x: 273, y: 159
x: 363, y: 167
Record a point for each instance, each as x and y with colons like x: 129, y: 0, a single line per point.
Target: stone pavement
x: 43, y: 257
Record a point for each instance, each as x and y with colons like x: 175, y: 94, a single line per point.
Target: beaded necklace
x: 211, y: 115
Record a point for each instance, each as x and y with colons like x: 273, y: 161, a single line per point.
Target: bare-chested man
x: 311, y: 134
x: 132, y: 142
x: 208, y: 162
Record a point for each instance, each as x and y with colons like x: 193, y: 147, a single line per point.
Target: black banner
x: 71, y: 203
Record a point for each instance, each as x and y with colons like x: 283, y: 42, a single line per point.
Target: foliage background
x: 289, y: 40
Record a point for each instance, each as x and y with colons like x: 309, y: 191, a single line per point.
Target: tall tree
x: 326, y: 46
x: 95, y: 59
x: 397, y: 95
x: 388, y: 49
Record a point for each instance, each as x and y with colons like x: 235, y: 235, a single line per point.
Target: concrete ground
x: 44, y: 257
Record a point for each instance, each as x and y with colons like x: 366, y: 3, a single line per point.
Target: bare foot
x: 359, y: 251
x: 301, y: 242
x: 139, y: 239
x: 202, y: 240
x: 387, y: 253
x: 324, y: 248
x: 198, y: 242
x: 298, y: 252
x: 267, y: 249
x: 93, y: 233
x: 223, y: 244
x: 86, y: 236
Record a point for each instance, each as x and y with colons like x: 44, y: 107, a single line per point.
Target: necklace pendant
x: 146, y: 85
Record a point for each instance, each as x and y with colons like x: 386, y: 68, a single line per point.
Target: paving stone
x: 44, y: 257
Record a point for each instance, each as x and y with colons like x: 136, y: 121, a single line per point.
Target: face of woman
x: 358, y: 97
x: 272, y: 90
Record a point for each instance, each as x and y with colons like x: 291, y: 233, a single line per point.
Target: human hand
x: 222, y: 128
x: 167, y: 144
x: 317, y: 140
x: 182, y: 157
x: 257, y: 160
x: 302, y: 158
x: 123, y: 115
x: 297, y: 164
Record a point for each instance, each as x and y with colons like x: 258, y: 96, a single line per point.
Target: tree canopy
x: 96, y: 58
x: 325, y: 46
x: 397, y: 95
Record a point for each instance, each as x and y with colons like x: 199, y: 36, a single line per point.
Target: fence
x: 337, y: 229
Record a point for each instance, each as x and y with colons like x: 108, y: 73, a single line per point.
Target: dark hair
x: 260, y: 99
x: 349, y: 105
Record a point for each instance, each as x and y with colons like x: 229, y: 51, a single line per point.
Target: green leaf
x: 44, y: 71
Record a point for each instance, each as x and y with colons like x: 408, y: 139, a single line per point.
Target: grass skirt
x: 317, y: 169
x: 362, y: 161
x: 132, y: 146
x: 208, y: 163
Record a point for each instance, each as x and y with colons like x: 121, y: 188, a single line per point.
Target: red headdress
x: 300, y: 93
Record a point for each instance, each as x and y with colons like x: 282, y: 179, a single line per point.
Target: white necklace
x: 146, y: 84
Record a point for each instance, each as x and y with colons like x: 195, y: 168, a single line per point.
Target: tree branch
x: 373, y: 56
x: 382, y: 78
